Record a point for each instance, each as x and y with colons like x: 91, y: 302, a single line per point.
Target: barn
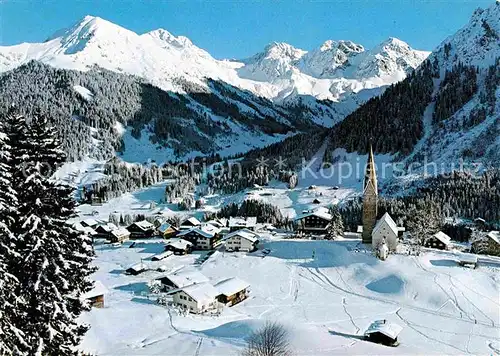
x: 96, y: 295
x: 179, y: 246
x: 383, y: 332
x: 232, y: 291
x: 439, y: 240
x: 136, y: 269
x: 119, y: 235
x: 167, y: 230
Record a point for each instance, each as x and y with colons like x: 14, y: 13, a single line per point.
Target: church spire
x: 370, y: 173
x: 370, y: 199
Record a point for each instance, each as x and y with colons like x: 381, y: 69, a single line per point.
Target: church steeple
x: 370, y: 198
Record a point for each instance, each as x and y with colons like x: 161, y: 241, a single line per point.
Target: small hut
x: 96, y: 295
x: 383, y: 332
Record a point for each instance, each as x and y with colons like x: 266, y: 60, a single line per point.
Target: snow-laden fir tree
x: 336, y: 226
x: 54, y: 263
x: 11, y: 338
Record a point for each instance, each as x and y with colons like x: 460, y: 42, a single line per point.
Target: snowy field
x: 327, y: 302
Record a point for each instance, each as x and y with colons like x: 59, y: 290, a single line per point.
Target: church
x: 385, y: 230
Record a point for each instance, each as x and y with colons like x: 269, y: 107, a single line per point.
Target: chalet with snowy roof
x: 141, y: 229
x: 179, y: 246
x: 314, y: 221
x: 103, y: 230
x: 136, y: 269
x: 232, y: 291
x: 196, y: 298
x: 220, y: 223
x: 238, y: 223
x: 383, y: 332
x: 190, y: 223
x: 203, y: 237
x: 488, y: 245
x: 161, y: 256
x: 386, y: 230
x: 439, y: 240
x: 90, y: 223
x: 241, y: 240
x: 167, y: 230
x: 96, y: 295
x: 119, y: 235
x: 181, y: 279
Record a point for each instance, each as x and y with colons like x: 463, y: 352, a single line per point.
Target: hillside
x: 448, y: 109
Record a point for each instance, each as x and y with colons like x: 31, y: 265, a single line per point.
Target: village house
x: 241, y: 240
x: 196, y: 298
x: 386, y: 229
x: 119, y: 235
x: 190, y: 223
x: 162, y: 255
x: 220, y: 223
x: 90, y: 223
x: 181, y: 279
x: 103, y: 230
x: 136, y: 269
x: 96, y: 295
x: 488, y: 245
x: 203, y: 237
x: 232, y: 291
x: 238, y: 223
x: 87, y: 230
x: 179, y: 246
x: 383, y: 332
x: 314, y: 221
x: 167, y: 230
x: 141, y: 229
x: 439, y: 240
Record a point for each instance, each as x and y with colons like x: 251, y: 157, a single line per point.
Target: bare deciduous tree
x: 270, y: 340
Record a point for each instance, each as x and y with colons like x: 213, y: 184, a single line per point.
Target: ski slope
x: 326, y: 301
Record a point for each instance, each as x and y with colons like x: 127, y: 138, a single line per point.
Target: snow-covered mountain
x: 337, y: 70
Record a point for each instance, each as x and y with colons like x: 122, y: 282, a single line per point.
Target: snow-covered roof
x: 179, y: 244
x: 99, y: 289
x: 144, y: 225
x: 495, y: 236
x: 184, y: 279
x: 90, y: 222
x: 441, y: 236
x: 161, y: 256
x: 192, y: 220
x: 107, y: 227
x: 391, y: 330
x: 320, y: 213
x: 205, y: 230
x: 243, y: 233
x: 249, y: 221
x: 120, y: 232
x: 202, y: 292
x: 231, y: 286
x: 138, y: 267
x: 386, y: 218
x: 164, y: 227
x: 216, y: 223
x: 85, y: 229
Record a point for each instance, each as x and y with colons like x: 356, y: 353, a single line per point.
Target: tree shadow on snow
x: 136, y: 288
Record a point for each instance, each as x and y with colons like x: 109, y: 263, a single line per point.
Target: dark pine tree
x: 11, y: 338
x: 54, y: 263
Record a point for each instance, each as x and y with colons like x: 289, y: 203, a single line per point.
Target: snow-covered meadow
x: 325, y: 292
x: 327, y: 301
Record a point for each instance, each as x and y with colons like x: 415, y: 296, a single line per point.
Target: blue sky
x: 238, y: 29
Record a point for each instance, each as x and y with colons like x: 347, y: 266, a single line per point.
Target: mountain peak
x: 283, y: 49
x: 162, y: 35
x: 344, y: 46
